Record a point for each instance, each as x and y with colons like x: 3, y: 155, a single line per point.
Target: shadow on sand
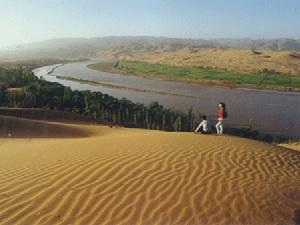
x: 297, y: 217
x: 11, y: 127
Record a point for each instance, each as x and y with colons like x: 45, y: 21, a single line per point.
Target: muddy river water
x: 269, y: 111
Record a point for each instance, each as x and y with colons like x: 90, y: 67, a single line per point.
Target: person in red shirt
x: 220, y: 117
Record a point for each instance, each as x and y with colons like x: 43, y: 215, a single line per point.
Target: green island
x: 268, y: 79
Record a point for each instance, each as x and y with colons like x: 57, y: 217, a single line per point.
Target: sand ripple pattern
x: 146, y: 177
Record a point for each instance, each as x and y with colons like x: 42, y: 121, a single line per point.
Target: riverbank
x: 267, y: 81
x: 246, y: 107
x: 246, y: 132
x: 236, y: 61
x: 37, y: 63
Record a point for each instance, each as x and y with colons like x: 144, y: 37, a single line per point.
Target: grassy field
x: 158, y: 71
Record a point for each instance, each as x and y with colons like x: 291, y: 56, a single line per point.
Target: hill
x: 132, y: 176
x: 225, y: 60
x: 90, y: 47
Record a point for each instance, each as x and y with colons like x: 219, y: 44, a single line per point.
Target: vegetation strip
x: 268, y: 80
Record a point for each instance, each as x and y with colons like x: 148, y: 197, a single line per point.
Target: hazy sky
x: 23, y: 21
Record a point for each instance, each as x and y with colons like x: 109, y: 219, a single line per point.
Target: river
x: 269, y: 112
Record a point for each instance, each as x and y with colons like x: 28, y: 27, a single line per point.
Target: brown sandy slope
x: 131, y: 176
x: 233, y: 60
x: 294, y: 146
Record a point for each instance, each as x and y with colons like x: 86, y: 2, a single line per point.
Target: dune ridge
x: 131, y: 176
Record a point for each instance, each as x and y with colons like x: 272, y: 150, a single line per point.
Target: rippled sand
x: 131, y: 176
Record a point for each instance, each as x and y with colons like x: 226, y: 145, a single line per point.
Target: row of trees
x: 36, y: 93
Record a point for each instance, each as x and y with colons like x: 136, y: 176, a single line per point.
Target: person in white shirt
x: 204, y: 127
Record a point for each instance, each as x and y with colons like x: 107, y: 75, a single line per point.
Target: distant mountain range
x: 90, y: 47
x: 283, y: 44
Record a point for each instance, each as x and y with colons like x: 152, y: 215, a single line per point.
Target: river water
x: 269, y: 112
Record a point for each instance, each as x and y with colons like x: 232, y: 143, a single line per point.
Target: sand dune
x: 131, y: 176
x: 234, y: 60
x: 294, y: 146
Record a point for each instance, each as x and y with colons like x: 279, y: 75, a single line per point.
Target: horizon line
x: 148, y: 36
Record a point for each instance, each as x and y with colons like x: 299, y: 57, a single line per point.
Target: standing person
x: 204, y: 127
x: 222, y: 114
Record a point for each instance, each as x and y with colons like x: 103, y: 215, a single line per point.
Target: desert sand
x: 295, y: 146
x: 104, y: 175
x: 234, y: 60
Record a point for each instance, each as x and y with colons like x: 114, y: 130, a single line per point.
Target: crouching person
x: 204, y: 127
